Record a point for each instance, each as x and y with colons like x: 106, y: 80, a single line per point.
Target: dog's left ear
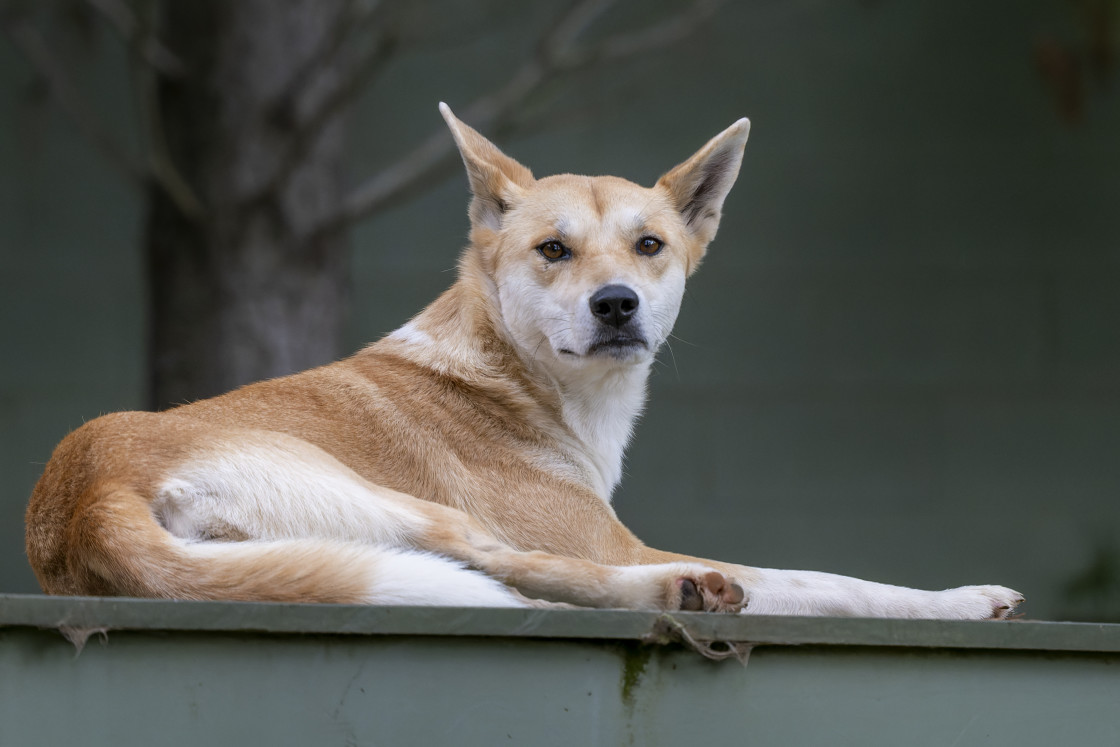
x: 496, y: 179
x: 699, y: 185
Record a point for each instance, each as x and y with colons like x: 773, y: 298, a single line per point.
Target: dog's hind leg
x: 272, y: 487
x: 282, y: 512
x: 672, y: 586
x: 117, y: 547
x: 385, y: 575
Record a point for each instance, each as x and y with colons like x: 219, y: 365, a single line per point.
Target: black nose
x: 614, y: 304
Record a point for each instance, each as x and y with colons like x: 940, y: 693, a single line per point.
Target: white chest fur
x: 600, y: 408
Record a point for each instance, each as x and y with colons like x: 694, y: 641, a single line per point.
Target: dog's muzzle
x: 619, y: 334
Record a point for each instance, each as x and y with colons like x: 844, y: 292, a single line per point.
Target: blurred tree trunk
x: 243, y: 284
x: 244, y: 106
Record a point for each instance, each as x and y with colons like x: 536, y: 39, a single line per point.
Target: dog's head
x: 590, y: 271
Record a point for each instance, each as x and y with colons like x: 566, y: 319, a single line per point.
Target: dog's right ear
x: 496, y: 179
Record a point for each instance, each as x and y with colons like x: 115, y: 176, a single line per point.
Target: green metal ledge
x: 148, y: 614
x: 171, y: 673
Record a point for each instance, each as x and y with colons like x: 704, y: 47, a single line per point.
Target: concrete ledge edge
x: 113, y: 613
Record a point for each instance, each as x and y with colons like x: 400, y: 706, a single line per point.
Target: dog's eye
x: 553, y: 251
x: 648, y: 245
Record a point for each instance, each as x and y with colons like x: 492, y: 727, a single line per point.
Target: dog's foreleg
x: 779, y: 592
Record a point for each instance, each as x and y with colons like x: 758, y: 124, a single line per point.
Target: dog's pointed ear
x: 496, y: 179
x: 699, y: 185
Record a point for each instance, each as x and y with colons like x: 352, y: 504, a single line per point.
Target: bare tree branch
x: 137, y: 170
x: 355, y: 21
x: 670, y: 31
x: 580, y: 17
x: 339, y: 94
x: 31, y: 43
x: 150, y: 49
x: 557, y: 52
x: 361, y: 72
x: 161, y: 164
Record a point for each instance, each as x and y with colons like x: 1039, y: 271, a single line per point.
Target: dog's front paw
x: 707, y: 591
x: 977, y: 603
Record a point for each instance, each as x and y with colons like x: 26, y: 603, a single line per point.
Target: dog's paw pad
x: 691, y: 601
x: 710, y: 592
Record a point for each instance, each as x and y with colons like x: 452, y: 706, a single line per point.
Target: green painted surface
x: 190, y: 674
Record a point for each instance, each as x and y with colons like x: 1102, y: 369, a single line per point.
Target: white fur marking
x: 601, y: 411
x: 279, y: 487
x: 395, y: 576
x: 780, y: 592
x: 404, y: 577
x: 410, y: 334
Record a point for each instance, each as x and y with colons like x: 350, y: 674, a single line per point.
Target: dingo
x: 466, y: 459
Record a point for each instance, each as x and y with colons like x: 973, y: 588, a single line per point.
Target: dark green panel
x: 235, y: 674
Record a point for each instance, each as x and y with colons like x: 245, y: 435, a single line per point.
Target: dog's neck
x: 600, y: 408
x: 589, y: 414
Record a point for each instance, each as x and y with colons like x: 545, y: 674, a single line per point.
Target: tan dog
x: 468, y: 458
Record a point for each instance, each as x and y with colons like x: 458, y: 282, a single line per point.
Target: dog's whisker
x: 674, y: 358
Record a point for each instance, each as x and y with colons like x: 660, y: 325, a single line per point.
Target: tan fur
x: 458, y: 435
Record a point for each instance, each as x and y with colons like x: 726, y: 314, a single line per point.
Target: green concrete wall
x: 236, y: 674
x: 901, y: 359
